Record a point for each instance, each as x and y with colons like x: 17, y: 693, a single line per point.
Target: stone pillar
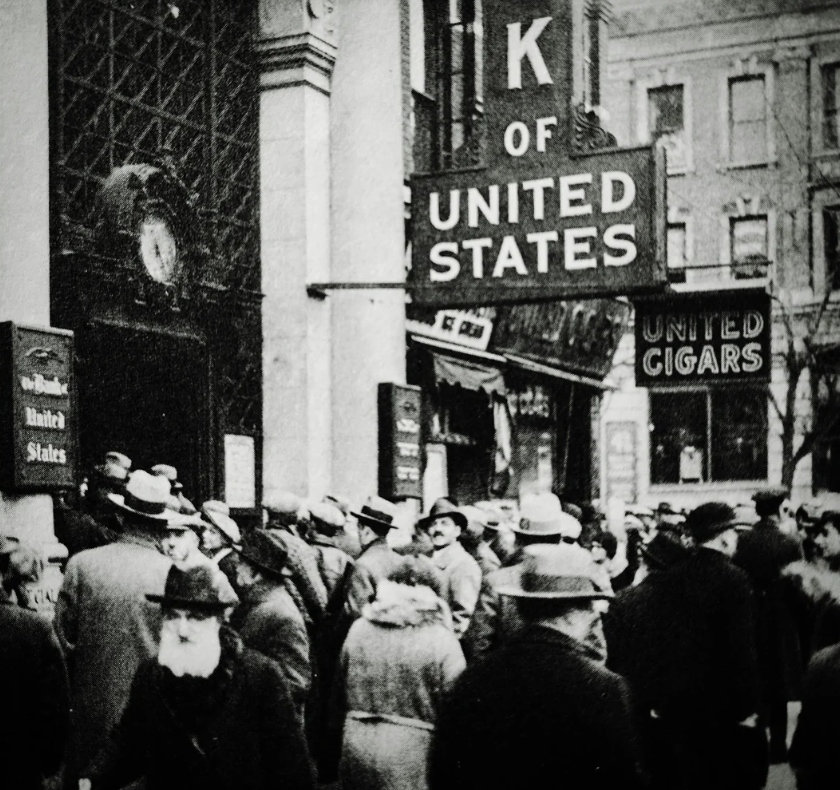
x: 24, y: 209
x: 298, y: 51
x: 367, y: 233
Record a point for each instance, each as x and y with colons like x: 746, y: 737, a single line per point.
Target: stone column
x: 24, y: 209
x: 298, y: 52
x: 367, y: 233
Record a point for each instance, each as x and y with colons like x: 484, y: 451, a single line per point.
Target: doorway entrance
x: 145, y: 394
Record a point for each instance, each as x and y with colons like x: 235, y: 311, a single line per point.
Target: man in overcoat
x: 460, y: 573
x: 205, y: 712
x: 105, y: 624
x: 762, y: 553
x: 267, y: 618
x: 684, y: 639
x: 35, y: 707
x: 376, y: 519
x: 538, y: 710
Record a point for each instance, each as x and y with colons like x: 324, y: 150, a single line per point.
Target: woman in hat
x: 399, y: 660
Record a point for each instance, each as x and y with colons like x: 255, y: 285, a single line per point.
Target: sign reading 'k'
x: 540, y: 221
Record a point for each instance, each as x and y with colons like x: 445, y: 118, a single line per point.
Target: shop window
x: 747, y: 119
x: 708, y: 436
x: 457, y: 62
x: 831, y: 243
x: 748, y: 244
x: 666, y: 122
x: 830, y: 105
x: 677, y: 253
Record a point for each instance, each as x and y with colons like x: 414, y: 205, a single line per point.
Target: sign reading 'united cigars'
x: 703, y: 338
x: 539, y: 222
x: 37, y: 408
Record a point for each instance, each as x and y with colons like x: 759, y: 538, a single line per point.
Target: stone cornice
x: 297, y: 59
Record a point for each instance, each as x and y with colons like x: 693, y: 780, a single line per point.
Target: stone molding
x: 296, y: 59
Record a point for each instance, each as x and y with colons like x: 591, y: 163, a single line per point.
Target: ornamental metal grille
x: 144, y: 80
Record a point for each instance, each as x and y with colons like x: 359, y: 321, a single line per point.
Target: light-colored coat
x: 107, y: 628
x: 398, y: 663
x: 461, y: 583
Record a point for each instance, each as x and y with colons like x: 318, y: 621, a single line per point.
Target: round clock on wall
x: 159, y: 249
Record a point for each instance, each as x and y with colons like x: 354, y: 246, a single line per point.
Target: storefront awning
x: 523, y: 363
x: 465, y: 367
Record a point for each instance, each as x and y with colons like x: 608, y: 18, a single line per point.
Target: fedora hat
x: 8, y: 544
x: 542, y: 515
x: 170, y: 473
x: 326, y: 515
x: 492, y: 513
x: 147, y: 496
x: 263, y: 553
x: 116, y: 466
x: 341, y: 502
x: 376, y: 512
x: 218, y: 514
x: 201, y: 587
x: 443, y: 508
x: 663, y: 551
x: 561, y: 572
x: 710, y: 519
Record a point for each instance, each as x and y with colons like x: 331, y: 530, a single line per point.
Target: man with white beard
x: 206, y: 711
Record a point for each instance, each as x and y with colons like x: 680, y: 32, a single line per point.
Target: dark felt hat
x: 710, y: 519
x: 376, y: 512
x: 772, y: 496
x: 441, y: 509
x: 663, y: 551
x: 201, y: 587
x: 262, y: 552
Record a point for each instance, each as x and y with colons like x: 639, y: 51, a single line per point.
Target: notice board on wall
x: 621, y: 461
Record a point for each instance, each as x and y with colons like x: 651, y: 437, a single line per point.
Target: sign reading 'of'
x: 539, y: 222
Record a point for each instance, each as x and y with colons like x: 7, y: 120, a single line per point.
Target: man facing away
x: 684, y: 639
x: 104, y: 623
x: 538, y: 706
x: 206, y: 711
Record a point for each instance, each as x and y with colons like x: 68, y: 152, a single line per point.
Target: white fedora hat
x: 147, y: 496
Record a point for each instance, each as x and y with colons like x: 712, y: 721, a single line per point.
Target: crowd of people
x: 506, y: 643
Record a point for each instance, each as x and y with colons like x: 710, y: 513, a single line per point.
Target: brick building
x: 744, y: 99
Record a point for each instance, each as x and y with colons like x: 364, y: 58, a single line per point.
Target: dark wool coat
x: 536, y: 710
x: 35, y: 707
x: 762, y: 553
x: 375, y: 563
x: 237, y: 730
x: 268, y: 621
x: 683, y: 638
x: 814, y: 749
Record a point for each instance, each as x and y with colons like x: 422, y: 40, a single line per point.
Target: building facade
x: 743, y: 99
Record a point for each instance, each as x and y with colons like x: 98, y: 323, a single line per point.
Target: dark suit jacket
x: 536, y: 710
x: 762, y: 553
x: 683, y: 638
x: 814, y: 748
x: 35, y: 705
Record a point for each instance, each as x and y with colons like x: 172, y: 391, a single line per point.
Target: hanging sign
x: 37, y: 409
x: 708, y: 338
x: 400, y: 459
x: 540, y: 222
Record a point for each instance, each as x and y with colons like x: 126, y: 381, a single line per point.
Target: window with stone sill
x: 666, y: 122
x: 831, y: 105
x: 708, y: 435
x: 676, y: 252
x: 831, y: 247
x: 748, y: 238
x: 747, y: 120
